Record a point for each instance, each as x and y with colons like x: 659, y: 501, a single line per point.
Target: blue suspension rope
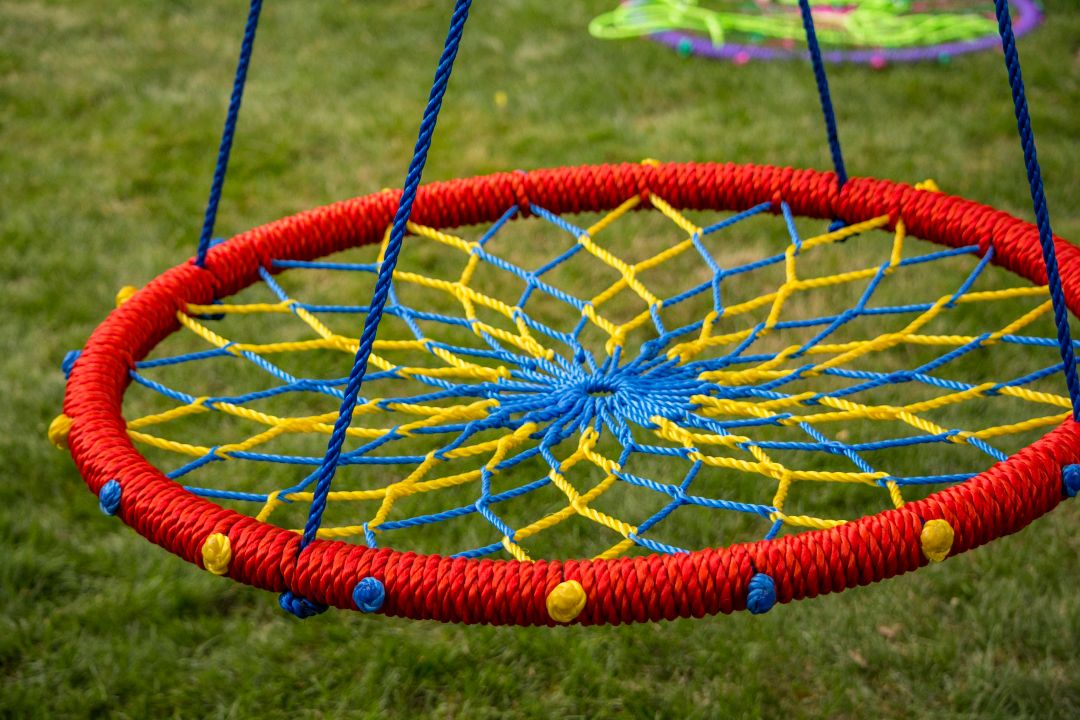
x: 1038, y: 198
x: 225, y: 148
x: 823, y: 92
x: 386, y: 271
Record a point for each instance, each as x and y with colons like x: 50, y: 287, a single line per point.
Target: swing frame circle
x: 1002, y: 500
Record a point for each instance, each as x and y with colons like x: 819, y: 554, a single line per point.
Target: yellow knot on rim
x: 928, y: 185
x: 58, y: 431
x: 124, y: 294
x: 936, y: 539
x: 566, y: 601
x: 216, y: 553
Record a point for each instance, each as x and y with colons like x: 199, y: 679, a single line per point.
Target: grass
x: 108, y: 121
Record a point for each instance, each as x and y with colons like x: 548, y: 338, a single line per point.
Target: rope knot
x: 369, y: 594
x: 299, y: 606
x: 761, y: 596
x: 109, y: 497
x: 217, y: 553
x: 1070, y: 480
x: 58, y: 431
x: 566, y: 601
x: 936, y: 539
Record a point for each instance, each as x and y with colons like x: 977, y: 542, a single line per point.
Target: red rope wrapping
x: 1000, y: 501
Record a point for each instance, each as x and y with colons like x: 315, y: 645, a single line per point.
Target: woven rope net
x: 722, y: 379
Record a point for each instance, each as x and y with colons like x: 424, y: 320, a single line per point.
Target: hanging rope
x: 1038, y: 198
x: 222, y: 166
x: 823, y: 92
x: 386, y: 271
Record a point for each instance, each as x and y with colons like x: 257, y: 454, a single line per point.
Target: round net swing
x: 874, y: 32
x: 594, y: 394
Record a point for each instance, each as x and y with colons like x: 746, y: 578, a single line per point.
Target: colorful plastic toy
x: 873, y: 32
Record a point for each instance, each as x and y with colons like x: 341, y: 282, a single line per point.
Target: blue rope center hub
x: 613, y: 395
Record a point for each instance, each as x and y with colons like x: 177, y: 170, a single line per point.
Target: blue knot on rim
x: 109, y: 497
x: 762, y: 594
x: 69, y: 361
x: 1070, y: 480
x: 369, y: 595
x: 301, y: 607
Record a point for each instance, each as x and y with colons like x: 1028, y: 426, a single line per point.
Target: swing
x: 596, y: 394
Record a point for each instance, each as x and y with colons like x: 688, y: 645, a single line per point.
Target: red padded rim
x: 1001, y: 500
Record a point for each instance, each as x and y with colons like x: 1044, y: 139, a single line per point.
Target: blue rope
x: 382, y: 285
x: 823, y: 92
x: 1038, y: 197
x: 225, y: 148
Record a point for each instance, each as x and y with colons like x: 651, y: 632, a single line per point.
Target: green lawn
x: 109, y: 116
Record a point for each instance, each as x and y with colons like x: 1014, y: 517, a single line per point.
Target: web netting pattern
x: 496, y: 395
